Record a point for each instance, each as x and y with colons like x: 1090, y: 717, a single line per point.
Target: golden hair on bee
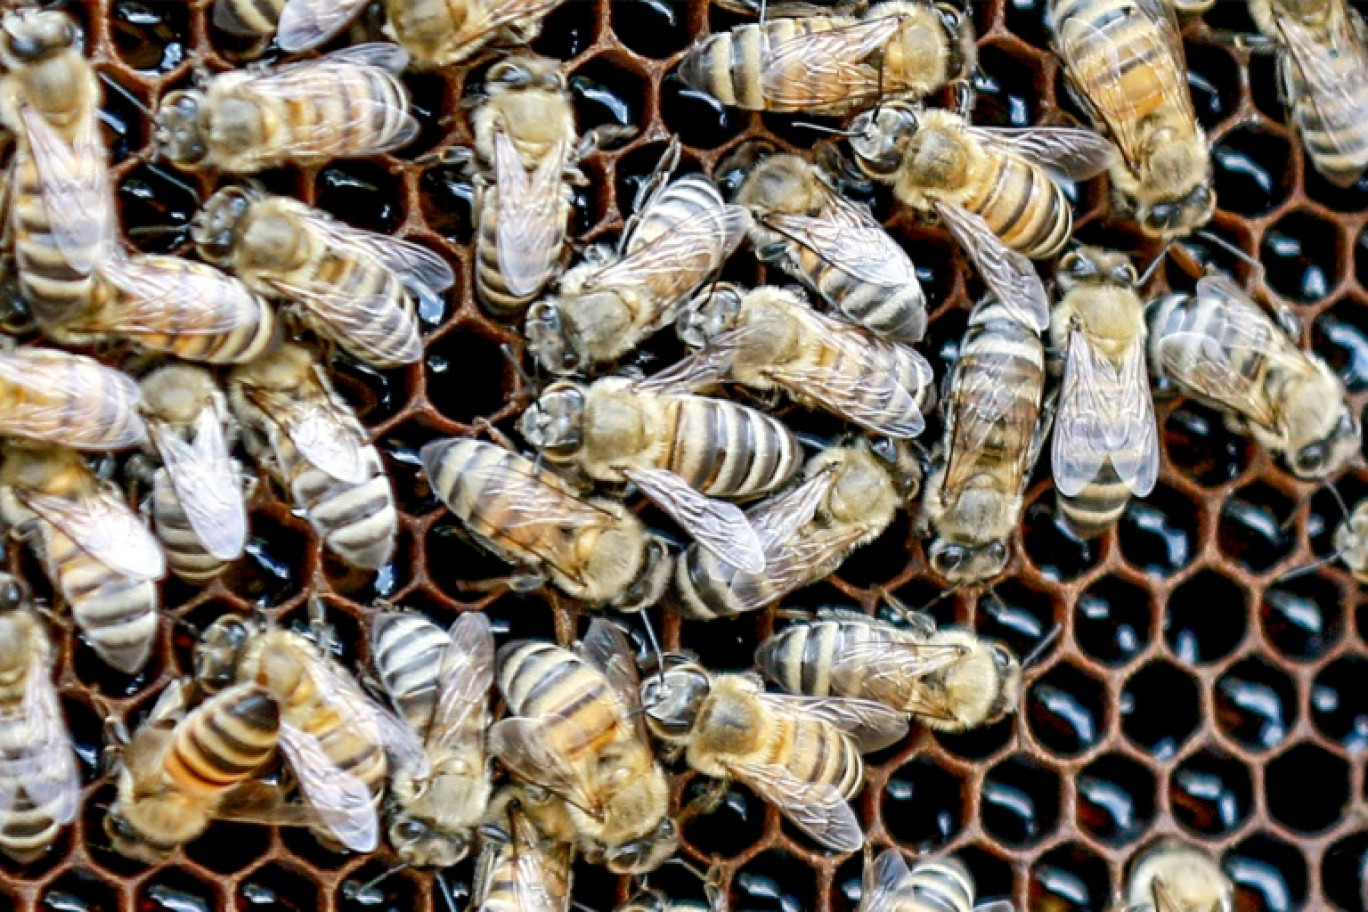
x: 1172, y: 876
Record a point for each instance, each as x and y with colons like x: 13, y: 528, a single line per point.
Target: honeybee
x: 347, y: 104
x: 678, y: 449
x: 198, y: 509
x: 681, y: 234
x: 993, y: 435
x: 248, y: 18
x: 1219, y: 347
x: 1106, y: 444
x: 519, y: 869
x: 96, y: 550
x: 835, y: 64
x: 354, y: 287
x: 39, y: 784
x: 525, y: 152
x: 56, y: 397
x: 439, y: 682
x: 173, y: 305
x: 308, y: 439
x: 931, y: 885
x: 848, y: 497
x: 1172, y: 876
x: 61, y: 203
x: 801, y: 754
x: 182, y: 770
x: 591, y: 548
x: 769, y: 338
x: 803, y: 225
x: 1124, y: 61
x: 995, y: 189
x: 949, y: 678
x: 1323, y: 64
x: 574, y: 728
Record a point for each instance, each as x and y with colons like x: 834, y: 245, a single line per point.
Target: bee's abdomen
x: 357, y: 522
x: 1098, y: 505
x: 802, y: 659
x: 894, y: 313
x: 1025, y: 208
x: 185, y: 553
x: 243, y: 325
x: 27, y: 828
x: 408, y: 656
x: 225, y: 740
x: 543, y: 681
x: 820, y: 752
x: 117, y: 613
x: 729, y: 65
x: 384, y: 331
x: 1338, y: 146
x: 727, y: 450
x: 248, y: 17
x: 53, y: 289
x: 942, y: 884
x: 349, y: 111
x: 491, y: 286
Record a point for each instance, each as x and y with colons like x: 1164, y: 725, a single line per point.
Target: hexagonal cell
x: 1052, y: 545
x: 1028, y: 20
x: 151, y: 37
x: 847, y: 884
x: 1268, y: 873
x: 446, y: 194
x: 80, y: 888
x: 178, y: 890
x: 609, y: 90
x: 361, y: 194
x: 1205, y: 619
x: 982, y: 743
x: 1302, y: 617
x: 1112, y: 620
x: 485, y: 373
x: 881, y: 560
x: 375, y: 395
x: 654, y: 28
x: 698, y: 119
x: 365, y: 586
x: 1301, y: 257
x: 449, y: 545
x: 1160, y: 709
x: 275, y: 562
x: 1256, y: 704
x: 276, y: 886
x: 1159, y: 534
x: 1249, y: 164
x: 227, y: 848
x: 1307, y: 788
x: 1340, y: 336
x: 775, y: 881
x: 1068, y: 878
x: 1115, y: 799
x: 1210, y: 793
x: 1255, y: 528
x: 1199, y: 444
x: 923, y: 805
x: 160, y: 205
x: 1067, y: 710
x: 725, y: 644
x: 1005, y: 82
x: 375, y: 887
x: 568, y: 31
x: 735, y: 825
x: 1213, y: 78
x: 1339, y: 702
x: 1020, y: 802
x: 1343, y: 870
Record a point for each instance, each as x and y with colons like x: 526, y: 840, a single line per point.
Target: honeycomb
x: 1191, y: 690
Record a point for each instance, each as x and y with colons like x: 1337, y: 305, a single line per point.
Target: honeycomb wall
x: 1189, y: 690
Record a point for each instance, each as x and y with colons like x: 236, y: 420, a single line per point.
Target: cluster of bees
x: 272, y: 728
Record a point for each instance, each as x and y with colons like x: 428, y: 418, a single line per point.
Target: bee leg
x: 603, y: 137
x: 707, y: 801
x: 482, y: 425
x: 1244, y: 41
x: 462, y: 157
x: 965, y: 97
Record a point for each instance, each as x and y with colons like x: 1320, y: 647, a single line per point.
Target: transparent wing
x: 847, y: 237
x: 464, y: 681
x: 716, y: 525
x: 882, y: 882
x: 306, y: 24
x: 365, y: 325
x: 510, y: 12
x: 898, y: 659
x: 521, y: 744
x: 357, y: 709
x: 816, y: 808
x: 779, y: 518
x: 1136, y: 456
x: 159, y: 296
x: 826, y: 67
x: 986, y: 408
x: 383, y: 55
x: 342, y: 801
x: 43, y: 767
x: 314, y: 427
x: 789, y: 564
x: 1008, y: 274
x: 206, y: 482
x: 530, y: 215
x: 607, y: 648
x: 872, y: 726
x: 104, y: 527
x: 68, y: 399
x: 701, y: 370
x: 1075, y: 154
x: 410, y: 262
x: 1336, y: 75
x: 74, y: 184
x: 530, y: 878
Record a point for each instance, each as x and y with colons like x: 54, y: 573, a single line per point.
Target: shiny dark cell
x: 1255, y: 529
x: 1307, y: 788
x: 923, y: 805
x: 374, y: 395
x: 1115, y: 799
x: 80, y: 890
x: 607, y: 94
x: 1339, y: 702
x: 980, y: 743
x: 1302, y: 617
x: 1158, y: 534
x: 1021, y: 617
x: 1213, y: 79
x: 1020, y: 802
x: 276, y: 887
x: 774, y: 881
x: 480, y: 363
x: 1069, y: 878
x: 123, y: 117
x: 1245, y: 184
x: 1269, y: 875
x: 1205, y: 618
x: 1160, y: 708
x: 1340, y: 336
x: 1052, y: 545
x: 227, y: 848
x: 725, y: 645
x: 273, y: 565
x: 1112, y: 620
x: 1201, y: 446
x: 567, y: 31
x: 361, y: 194
x: 1066, y: 709
x: 151, y: 37
x: 1301, y: 257
x: 1256, y: 704
x: 1003, y: 84
x: 448, y: 200
x: 698, y: 119
x: 1210, y: 793
x: 1027, y: 19
x: 735, y: 825
x: 159, y: 205
x: 412, y: 491
x: 1343, y: 873
x: 373, y: 888
x: 653, y: 28
x: 174, y: 891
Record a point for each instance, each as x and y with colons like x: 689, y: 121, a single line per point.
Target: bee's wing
x: 463, y: 682
x: 104, y: 527
x: 510, y: 12
x: 883, y: 881
x: 607, y: 648
x: 1335, y: 91
x: 74, y: 185
x: 898, y: 659
x: 383, y: 55
x: 521, y: 744
x: 701, y: 370
x: 817, y: 808
x: 306, y: 24
x: 206, y: 482
x: 847, y: 237
x: 777, y: 519
x: 187, y: 302
x: 1008, y: 274
x: 871, y: 725
x: 1067, y: 151
x: 354, y: 322
x: 1104, y: 412
x: 716, y: 525
x: 827, y: 67
x: 318, y: 431
x: 530, y: 224
x: 74, y: 395
x: 342, y: 801
x: 532, y: 871
x: 357, y: 709
x: 42, y: 767
x: 410, y: 262
x: 789, y: 564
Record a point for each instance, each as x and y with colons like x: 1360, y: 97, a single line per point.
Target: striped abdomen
x: 937, y: 885
x: 117, y: 613
x: 806, y: 658
x: 727, y: 450
x: 70, y: 400
x: 1335, y: 134
x: 491, y: 286
x: 1023, y: 206
x: 681, y: 205
x: 408, y: 650
x: 374, y: 319
x: 812, y: 750
x: 357, y: 522
x: 185, y: 553
x: 53, y: 288
x: 1098, y: 505
x: 1183, y: 328
x: 28, y: 828
x: 255, y: 18
x: 223, y: 741
x: 527, y: 863
x: 898, y: 313
x: 544, y: 681
x: 846, y: 357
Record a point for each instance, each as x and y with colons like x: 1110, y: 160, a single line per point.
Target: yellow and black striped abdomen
x: 806, y: 658
x: 1335, y: 134
x: 374, y: 318
x: 814, y: 750
x: 223, y: 741
x: 29, y: 828
x: 248, y: 17
x: 1013, y: 356
x: 725, y: 449
x: 356, y: 520
x: 117, y: 613
x: 54, y: 290
x: 1023, y: 206
x: 543, y: 681
x: 1098, y: 505
x: 491, y: 286
x: 897, y: 313
x: 408, y: 650
x: 185, y: 553
x: 728, y: 65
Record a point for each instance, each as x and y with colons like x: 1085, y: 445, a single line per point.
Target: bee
x: 309, y: 440
x: 847, y: 498
x: 1124, y: 62
x: 198, y: 510
x: 177, y: 306
x: 949, y: 678
x: 803, y: 225
x: 183, y: 769
x: 355, y: 287
x: 931, y: 885
x: 801, y: 754
x: 52, y: 396
x: 574, y: 728
x: 680, y: 450
x: 835, y: 64
x: 1172, y: 876
x: 519, y: 869
x: 681, y: 234
x: 770, y: 339
x: 96, y: 550
x: 1351, y: 541
x: 993, y: 435
x: 1106, y: 443
x: 1322, y: 63
x: 439, y: 682
x: 61, y: 202
x: 248, y: 18
x: 1219, y: 347
x: 995, y: 189
x: 347, y: 104
x: 39, y: 783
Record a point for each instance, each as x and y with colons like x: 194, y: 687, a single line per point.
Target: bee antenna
x: 1153, y: 267
x: 823, y: 128
x: 1039, y: 649
x: 128, y: 96
x: 1334, y: 492
x: 351, y: 891
x: 655, y: 644
x: 1230, y: 249
x: 528, y: 380
x: 940, y: 598
x: 1304, y: 569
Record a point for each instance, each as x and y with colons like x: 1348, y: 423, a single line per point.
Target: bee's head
x: 549, y: 339
x: 178, y: 132
x: 1094, y: 266
x: 421, y: 845
x: 712, y: 313
x: 959, y: 29
x: 217, y: 652
x: 1177, y: 216
x: 524, y: 72
x: 968, y: 563
x: 215, y: 228
x: 672, y: 700
x: 880, y: 136
x: 29, y: 35
x: 1329, y: 454
x: 644, y: 855
x: 554, y: 423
